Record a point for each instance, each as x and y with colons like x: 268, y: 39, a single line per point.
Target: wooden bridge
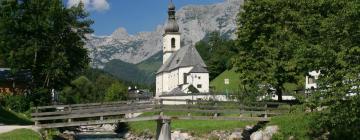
x: 114, y: 112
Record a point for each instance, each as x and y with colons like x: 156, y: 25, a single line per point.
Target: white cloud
x: 91, y: 5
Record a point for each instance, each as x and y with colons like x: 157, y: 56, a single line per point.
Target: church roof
x: 176, y: 90
x: 198, y: 69
x: 186, y: 56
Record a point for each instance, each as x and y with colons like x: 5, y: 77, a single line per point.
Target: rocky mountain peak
x: 195, y: 22
x: 120, y: 34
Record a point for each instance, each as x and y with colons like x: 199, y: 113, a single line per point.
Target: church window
x: 172, y: 42
x: 198, y: 86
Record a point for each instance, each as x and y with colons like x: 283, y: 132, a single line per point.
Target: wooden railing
x: 102, y: 113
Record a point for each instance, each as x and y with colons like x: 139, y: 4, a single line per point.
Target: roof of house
x: 176, y: 90
x: 185, y: 56
x: 198, y: 69
x: 21, y: 75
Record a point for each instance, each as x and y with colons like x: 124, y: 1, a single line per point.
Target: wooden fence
x: 113, y: 112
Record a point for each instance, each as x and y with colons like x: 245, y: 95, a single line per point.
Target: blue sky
x: 134, y: 15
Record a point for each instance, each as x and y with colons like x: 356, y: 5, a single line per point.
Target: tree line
x: 281, y: 41
x: 47, y: 38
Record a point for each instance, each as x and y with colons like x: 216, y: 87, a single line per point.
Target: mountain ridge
x: 141, y: 46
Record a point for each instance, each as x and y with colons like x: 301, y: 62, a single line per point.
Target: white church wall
x: 192, y: 97
x: 200, y: 81
x: 166, y: 56
x: 166, y: 80
x: 173, y: 80
x: 167, y: 45
x: 181, y: 72
x: 159, y: 83
x: 167, y: 42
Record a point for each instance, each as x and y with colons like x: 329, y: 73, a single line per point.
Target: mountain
x: 142, y: 73
x: 195, y: 22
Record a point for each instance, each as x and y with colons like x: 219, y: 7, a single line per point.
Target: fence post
x: 188, y: 107
x: 69, y: 110
x: 36, y: 111
x: 161, y: 107
x: 215, y: 107
x: 266, y: 110
x: 241, y: 110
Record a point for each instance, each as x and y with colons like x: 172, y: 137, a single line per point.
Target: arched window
x: 172, y: 42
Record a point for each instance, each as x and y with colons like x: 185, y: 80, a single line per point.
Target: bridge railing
x: 217, y: 108
x: 61, y: 113
x: 86, y: 114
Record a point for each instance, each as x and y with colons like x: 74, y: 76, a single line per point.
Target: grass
x: 9, y: 117
x: 20, y: 134
x: 218, y: 82
x: 295, y: 124
x: 195, y: 127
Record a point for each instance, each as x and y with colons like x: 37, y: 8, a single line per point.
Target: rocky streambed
x: 247, y: 133
x: 106, y: 132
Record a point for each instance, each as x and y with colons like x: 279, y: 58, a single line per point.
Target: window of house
x: 199, y: 77
x: 198, y: 86
x: 172, y: 42
x: 185, y: 78
x: 311, y: 80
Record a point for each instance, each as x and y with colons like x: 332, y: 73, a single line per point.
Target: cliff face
x: 195, y: 23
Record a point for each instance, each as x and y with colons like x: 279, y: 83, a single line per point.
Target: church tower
x: 171, y: 37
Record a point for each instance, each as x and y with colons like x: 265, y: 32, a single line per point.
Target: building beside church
x: 183, y: 70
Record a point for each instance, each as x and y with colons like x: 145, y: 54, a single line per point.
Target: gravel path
x: 8, y: 128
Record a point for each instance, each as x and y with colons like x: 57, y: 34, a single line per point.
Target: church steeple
x: 171, y: 37
x: 171, y: 26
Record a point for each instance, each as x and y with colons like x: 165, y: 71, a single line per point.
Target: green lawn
x: 10, y: 117
x: 196, y: 127
x: 20, y: 134
x: 295, y: 124
x: 218, y: 82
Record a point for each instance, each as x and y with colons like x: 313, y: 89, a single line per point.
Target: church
x: 183, y: 70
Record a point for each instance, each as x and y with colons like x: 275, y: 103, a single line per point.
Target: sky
x: 133, y: 15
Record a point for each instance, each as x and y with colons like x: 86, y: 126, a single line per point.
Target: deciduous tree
x: 45, y: 37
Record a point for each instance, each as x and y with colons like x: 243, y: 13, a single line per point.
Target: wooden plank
x: 90, y: 104
x: 89, y: 115
x: 235, y: 102
x: 219, y: 118
x: 213, y: 107
x: 98, y: 122
x: 150, y: 118
x: 49, y: 113
x: 214, y: 111
x: 109, y: 109
x: 77, y: 110
x: 109, y: 105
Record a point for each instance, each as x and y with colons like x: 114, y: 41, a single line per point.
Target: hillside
x: 218, y: 83
x: 10, y: 118
x: 142, y: 73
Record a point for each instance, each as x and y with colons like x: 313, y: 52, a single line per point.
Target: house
x: 183, y: 70
x: 138, y: 94
x: 310, y: 81
x: 14, y: 83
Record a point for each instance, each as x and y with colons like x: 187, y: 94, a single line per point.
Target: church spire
x: 171, y: 26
